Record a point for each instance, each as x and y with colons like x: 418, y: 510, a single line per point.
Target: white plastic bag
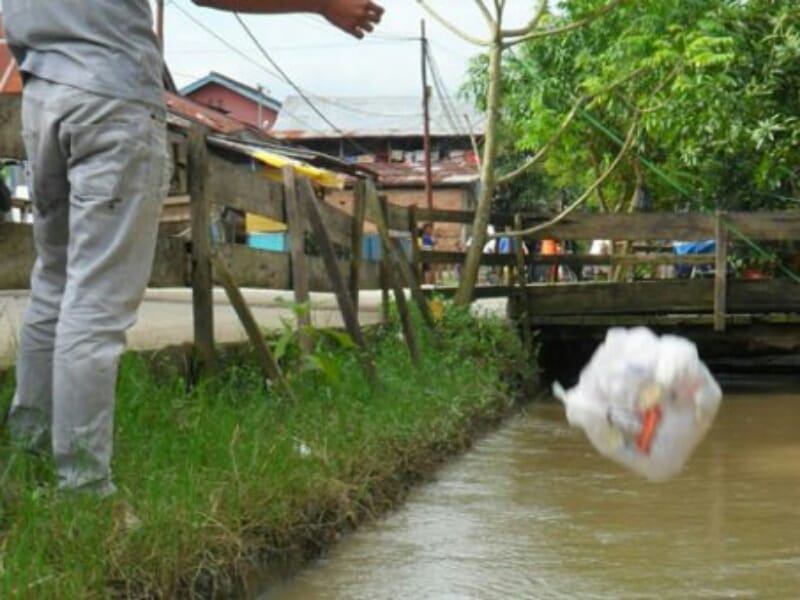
x: 644, y: 401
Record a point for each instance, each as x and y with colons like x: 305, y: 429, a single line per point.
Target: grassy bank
x: 225, y: 476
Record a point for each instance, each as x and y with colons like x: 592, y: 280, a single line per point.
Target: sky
x: 321, y: 59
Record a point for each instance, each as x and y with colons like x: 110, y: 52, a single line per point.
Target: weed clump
x: 225, y: 474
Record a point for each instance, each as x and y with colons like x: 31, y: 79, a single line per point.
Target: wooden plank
x: 202, y: 283
x: 397, y: 259
x: 635, y: 297
x: 666, y: 297
x: 766, y: 226
x: 682, y: 320
x: 396, y: 219
x: 385, y: 283
x: 720, y: 272
x: 773, y: 225
x: 357, y: 240
x: 243, y: 186
x: 338, y: 224
x: 633, y: 226
x: 11, y: 145
x: 524, y: 320
x: 772, y: 295
x: 391, y: 272
x: 409, y: 335
x: 171, y: 263
x: 413, y: 227
x: 18, y: 255
x: 577, y: 260
x: 269, y: 366
x: 297, y: 238
x: 466, y: 217
x: 258, y: 268
x: 311, y: 204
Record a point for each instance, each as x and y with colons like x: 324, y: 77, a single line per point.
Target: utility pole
x: 160, y: 24
x: 426, y: 96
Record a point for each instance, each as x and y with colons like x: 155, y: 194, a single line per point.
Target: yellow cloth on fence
x: 319, y: 176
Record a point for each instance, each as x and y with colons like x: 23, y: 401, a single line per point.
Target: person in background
x: 94, y: 125
x: 427, y: 242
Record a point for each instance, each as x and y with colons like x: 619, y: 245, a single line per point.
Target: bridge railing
x: 642, y: 243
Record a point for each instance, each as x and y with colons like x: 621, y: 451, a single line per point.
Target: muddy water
x: 534, y: 512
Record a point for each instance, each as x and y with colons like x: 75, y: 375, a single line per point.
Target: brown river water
x: 534, y: 512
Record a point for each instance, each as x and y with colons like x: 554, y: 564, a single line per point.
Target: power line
x: 449, y: 106
x: 285, y: 76
x: 302, y: 93
x: 225, y: 42
x: 268, y: 71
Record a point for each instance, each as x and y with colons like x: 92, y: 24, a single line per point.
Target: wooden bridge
x: 714, y: 303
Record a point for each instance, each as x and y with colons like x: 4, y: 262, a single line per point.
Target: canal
x: 534, y: 512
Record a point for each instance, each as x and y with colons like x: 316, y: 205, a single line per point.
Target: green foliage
x: 718, y: 82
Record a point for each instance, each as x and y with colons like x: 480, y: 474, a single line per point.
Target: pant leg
x: 117, y: 171
x: 29, y: 419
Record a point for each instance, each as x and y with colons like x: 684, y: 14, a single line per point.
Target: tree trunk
x: 488, y: 177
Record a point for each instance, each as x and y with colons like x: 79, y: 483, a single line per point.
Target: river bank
x: 228, y: 479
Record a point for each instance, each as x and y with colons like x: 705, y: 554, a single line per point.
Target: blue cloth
x: 702, y: 247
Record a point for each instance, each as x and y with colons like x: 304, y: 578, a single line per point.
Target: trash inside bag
x: 644, y: 401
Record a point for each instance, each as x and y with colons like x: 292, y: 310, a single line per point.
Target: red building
x: 240, y: 101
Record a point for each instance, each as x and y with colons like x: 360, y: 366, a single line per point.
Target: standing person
x: 94, y: 129
x: 427, y: 243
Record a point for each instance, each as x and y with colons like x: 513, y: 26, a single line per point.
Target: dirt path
x: 166, y: 316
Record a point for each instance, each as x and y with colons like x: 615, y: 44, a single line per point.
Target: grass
x: 227, y: 475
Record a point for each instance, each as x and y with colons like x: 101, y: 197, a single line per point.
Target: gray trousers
x: 98, y: 175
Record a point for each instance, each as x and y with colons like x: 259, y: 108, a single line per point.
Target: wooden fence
x: 650, y: 235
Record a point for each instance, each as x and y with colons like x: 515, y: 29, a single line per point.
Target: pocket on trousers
x: 109, y: 158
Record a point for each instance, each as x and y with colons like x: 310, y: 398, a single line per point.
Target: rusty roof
x: 455, y: 173
x: 373, y: 117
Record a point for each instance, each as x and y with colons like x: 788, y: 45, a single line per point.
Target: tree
x: 722, y: 80
x: 499, y: 41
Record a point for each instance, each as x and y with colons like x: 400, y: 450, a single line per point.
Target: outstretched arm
x: 356, y: 17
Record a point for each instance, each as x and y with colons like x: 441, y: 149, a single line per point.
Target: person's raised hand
x: 356, y: 17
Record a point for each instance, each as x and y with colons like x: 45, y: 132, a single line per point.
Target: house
x: 242, y: 102
x: 385, y: 134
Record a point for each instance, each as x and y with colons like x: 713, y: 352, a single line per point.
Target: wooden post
x: 720, y: 272
x: 413, y: 226
x: 389, y: 274
x: 356, y: 249
x: 297, y: 231
x: 405, y: 318
x: 396, y: 256
x: 202, y: 278
x: 349, y: 315
x: 269, y: 366
x: 525, y: 322
x: 385, y: 270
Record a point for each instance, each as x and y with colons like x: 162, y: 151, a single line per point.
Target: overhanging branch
x: 541, y: 10
x: 486, y: 14
x: 586, y: 195
x: 565, y: 123
x: 448, y: 25
x: 543, y: 33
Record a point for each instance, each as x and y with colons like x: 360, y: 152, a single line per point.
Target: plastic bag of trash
x: 644, y: 401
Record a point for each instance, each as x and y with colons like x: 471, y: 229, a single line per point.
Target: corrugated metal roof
x: 444, y: 174
x: 373, y: 117
x: 213, y: 119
